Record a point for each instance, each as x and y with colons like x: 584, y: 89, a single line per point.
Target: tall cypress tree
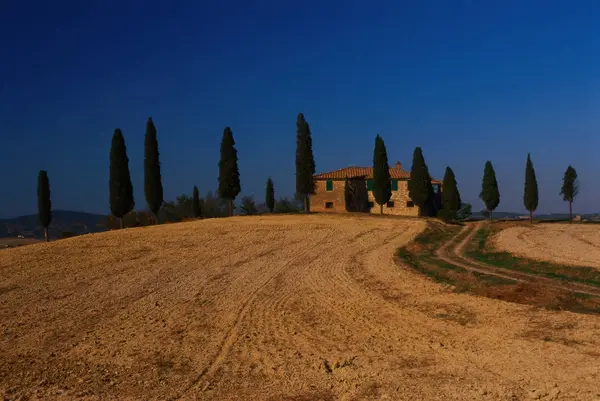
x: 490, y: 194
x: 270, y: 195
x: 450, y: 196
x: 305, y: 161
x: 420, y: 188
x: 44, y: 203
x: 382, y: 185
x: 120, y: 187
x: 153, y: 188
x: 530, y: 195
x: 196, y: 206
x: 570, y: 189
x: 229, y: 174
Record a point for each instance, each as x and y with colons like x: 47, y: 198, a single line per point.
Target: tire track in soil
x: 232, y: 333
x: 325, y: 287
x: 453, y: 252
x: 269, y: 323
x: 350, y: 271
x: 335, y: 291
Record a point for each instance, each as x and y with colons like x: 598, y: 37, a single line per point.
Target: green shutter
x: 394, y: 185
x: 329, y: 185
x: 369, y: 185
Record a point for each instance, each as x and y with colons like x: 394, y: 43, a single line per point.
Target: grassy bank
x: 421, y: 256
x: 481, y: 250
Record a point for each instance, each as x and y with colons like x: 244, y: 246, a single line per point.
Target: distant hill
x: 498, y: 215
x: 62, y: 221
x: 540, y: 216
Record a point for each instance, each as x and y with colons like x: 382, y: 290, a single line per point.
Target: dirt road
x: 453, y: 252
x: 271, y: 308
x: 573, y: 244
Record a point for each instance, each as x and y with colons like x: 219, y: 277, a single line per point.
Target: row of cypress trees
x: 121, y: 189
x: 490, y: 194
x: 420, y: 187
x: 121, y: 197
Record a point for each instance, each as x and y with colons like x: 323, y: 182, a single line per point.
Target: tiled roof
x: 396, y: 172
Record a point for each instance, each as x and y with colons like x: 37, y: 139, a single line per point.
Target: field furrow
x: 271, y: 308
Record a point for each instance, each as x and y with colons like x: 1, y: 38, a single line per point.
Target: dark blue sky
x: 467, y: 80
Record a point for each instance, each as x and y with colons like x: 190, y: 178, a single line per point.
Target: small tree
x: 285, y: 205
x: 153, y: 189
x: 450, y: 196
x: 305, y: 161
x: 382, y: 185
x: 213, y: 206
x: 248, y: 207
x: 120, y: 187
x: 196, y: 207
x: 530, y: 196
x: 229, y: 174
x: 270, y: 195
x: 465, y: 211
x: 490, y: 194
x: 420, y: 188
x: 570, y: 189
x: 44, y: 203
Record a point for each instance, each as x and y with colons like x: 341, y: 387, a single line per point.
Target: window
x: 328, y: 205
x: 390, y: 204
x: 394, y: 185
x: 329, y: 185
x: 369, y: 185
x: 371, y: 205
x: 410, y: 203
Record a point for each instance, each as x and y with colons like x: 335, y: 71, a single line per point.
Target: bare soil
x: 271, y: 308
x: 571, y: 244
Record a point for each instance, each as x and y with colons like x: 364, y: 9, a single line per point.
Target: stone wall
x: 318, y: 202
x: 335, y: 199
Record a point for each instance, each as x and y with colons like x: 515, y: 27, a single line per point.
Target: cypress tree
x: 570, y: 189
x: 229, y: 174
x: 450, y: 196
x: 120, y: 187
x: 420, y: 188
x: 305, y: 161
x: 490, y: 194
x: 44, y: 203
x: 530, y: 195
x: 196, y: 207
x: 153, y: 188
x: 382, y: 185
x: 270, y: 195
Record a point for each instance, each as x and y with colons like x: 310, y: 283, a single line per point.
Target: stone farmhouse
x: 329, y: 193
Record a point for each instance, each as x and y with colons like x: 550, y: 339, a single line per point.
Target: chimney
x: 398, y: 165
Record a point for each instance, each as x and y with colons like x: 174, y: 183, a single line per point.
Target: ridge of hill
x: 62, y: 221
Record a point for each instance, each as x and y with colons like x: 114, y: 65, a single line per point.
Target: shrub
x: 248, y: 207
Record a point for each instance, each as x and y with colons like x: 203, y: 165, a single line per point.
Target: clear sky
x: 467, y: 80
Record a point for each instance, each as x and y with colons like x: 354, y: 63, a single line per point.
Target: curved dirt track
x: 571, y: 244
x: 271, y: 308
x: 453, y: 252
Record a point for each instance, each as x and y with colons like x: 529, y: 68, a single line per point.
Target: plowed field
x: 572, y: 244
x: 271, y: 308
